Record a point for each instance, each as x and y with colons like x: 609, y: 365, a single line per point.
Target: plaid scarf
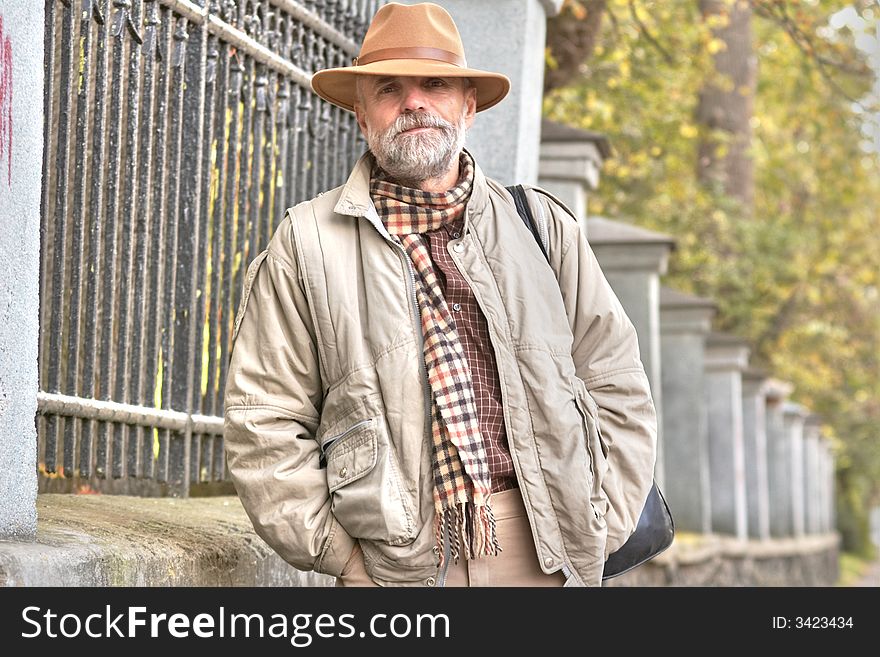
x: 463, y: 519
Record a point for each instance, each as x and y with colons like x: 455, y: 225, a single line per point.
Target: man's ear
x: 470, y: 99
x: 361, y: 118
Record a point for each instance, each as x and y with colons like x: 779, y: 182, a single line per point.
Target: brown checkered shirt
x: 473, y: 332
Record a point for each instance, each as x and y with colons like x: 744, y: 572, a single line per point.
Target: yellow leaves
x: 717, y: 21
x: 617, y: 168
x: 551, y: 61
x: 642, y: 13
x: 688, y: 130
x: 715, y: 46
x: 656, y: 151
x: 576, y: 8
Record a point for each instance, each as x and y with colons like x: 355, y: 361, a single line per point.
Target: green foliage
x: 853, y: 568
x: 801, y: 278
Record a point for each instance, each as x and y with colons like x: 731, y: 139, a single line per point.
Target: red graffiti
x: 6, y: 102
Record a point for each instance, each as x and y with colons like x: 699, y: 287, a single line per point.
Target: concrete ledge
x: 113, y: 540
x: 720, y: 560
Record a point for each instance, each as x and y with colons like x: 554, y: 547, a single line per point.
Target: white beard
x: 413, y: 158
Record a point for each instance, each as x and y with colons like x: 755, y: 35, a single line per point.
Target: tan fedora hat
x: 414, y: 40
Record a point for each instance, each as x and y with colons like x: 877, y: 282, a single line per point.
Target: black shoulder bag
x: 655, y: 529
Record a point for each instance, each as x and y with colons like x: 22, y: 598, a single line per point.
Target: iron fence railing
x: 177, y: 132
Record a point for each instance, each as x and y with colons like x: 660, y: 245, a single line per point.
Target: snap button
x: 548, y: 561
x: 436, y: 549
x: 430, y: 581
x: 456, y: 307
x: 343, y: 472
x: 458, y: 247
x: 455, y: 234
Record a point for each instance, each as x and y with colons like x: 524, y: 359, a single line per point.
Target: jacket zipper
x: 328, y: 445
x: 411, y: 289
x: 426, y: 387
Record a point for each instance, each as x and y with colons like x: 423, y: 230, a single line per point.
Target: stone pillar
x: 830, y: 489
x: 812, y: 475
x: 778, y: 460
x: 571, y: 160
x: 21, y: 166
x: 755, y: 445
x: 685, y: 321
x: 726, y: 358
x: 825, y: 499
x: 506, y: 36
x: 632, y: 260
x: 794, y: 416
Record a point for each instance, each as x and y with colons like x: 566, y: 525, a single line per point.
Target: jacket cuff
x: 336, y: 552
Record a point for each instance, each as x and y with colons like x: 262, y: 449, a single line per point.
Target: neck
x: 444, y: 182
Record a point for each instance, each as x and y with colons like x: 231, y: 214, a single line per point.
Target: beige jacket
x: 327, y: 426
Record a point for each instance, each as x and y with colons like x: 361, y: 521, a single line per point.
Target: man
x: 414, y: 396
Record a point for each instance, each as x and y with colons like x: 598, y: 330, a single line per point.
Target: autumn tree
x: 791, y: 254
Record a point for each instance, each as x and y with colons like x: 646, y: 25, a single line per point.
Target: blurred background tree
x: 748, y: 129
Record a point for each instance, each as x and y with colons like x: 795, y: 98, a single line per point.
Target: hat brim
x: 338, y: 85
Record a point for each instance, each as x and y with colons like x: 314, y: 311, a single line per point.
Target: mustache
x: 406, y: 122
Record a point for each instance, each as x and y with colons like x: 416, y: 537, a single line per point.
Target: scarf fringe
x: 472, y: 531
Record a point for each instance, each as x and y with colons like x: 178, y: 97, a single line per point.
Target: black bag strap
x: 525, y: 213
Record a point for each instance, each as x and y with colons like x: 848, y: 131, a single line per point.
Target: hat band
x: 410, y: 53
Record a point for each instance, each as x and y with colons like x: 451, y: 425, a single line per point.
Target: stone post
x: 755, y: 444
x: 726, y: 358
x: 685, y: 321
x: 778, y: 459
x: 794, y: 416
x: 506, y: 36
x: 21, y: 166
x: 633, y: 260
x: 828, y: 507
x: 571, y: 160
x: 812, y: 477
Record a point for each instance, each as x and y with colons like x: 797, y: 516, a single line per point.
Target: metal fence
x: 177, y: 132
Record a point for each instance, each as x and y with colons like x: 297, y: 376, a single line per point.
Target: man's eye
x: 436, y: 82
x: 386, y: 89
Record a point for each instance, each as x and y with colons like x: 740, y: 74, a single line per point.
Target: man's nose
x: 413, y: 99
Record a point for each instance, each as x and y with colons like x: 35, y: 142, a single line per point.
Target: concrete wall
x: 633, y: 260
x: 726, y: 561
x: 21, y: 163
x: 684, y: 324
x: 755, y: 449
x: 726, y: 358
x: 794, y: 416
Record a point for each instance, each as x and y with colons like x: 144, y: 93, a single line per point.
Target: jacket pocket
x: 596, y: 448
x: 367, y: 497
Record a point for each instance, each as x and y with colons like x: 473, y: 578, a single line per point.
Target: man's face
x: 415, y: 126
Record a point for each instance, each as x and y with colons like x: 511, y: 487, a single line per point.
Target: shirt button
x: 548, y: 561
x: 458, y: 247
x: 456, y: 307
x: 430, y: 581
x: 456, y: 234
x: 436, y: 549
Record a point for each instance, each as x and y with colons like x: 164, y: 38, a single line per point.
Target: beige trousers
x: 516, y: 565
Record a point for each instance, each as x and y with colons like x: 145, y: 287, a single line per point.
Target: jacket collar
x: 355, y: 198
